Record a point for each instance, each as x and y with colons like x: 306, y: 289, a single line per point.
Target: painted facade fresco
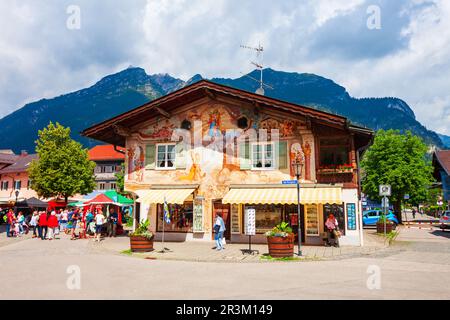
x: 216, y: 162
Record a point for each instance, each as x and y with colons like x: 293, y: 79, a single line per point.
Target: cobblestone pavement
x: 201, y: 251
x: 416, y: 266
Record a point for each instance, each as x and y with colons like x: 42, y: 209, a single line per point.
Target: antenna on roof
x: 259, y: 65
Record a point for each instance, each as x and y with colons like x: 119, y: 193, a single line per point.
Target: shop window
x: 333, y: 153
x: 312, y: 220
x: 181, y: 218
x: 165, y: 156
x: 263, y: 156
x: 338, y: 211
x: 267, y: 216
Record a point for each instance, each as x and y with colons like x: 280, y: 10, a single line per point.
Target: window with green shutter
x: 283, y: 158
x: 150, y: 155
x: 244, y: 156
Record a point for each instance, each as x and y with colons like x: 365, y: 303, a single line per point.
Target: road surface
x: 416, y: 267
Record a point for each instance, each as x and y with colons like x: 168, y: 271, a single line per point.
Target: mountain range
x: 132, y: 87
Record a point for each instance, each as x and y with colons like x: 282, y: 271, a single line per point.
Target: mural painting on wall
x: 211, y: 164
x: 296, y: 155
x: 195, y: 172
x: 136, y: 163
x: 307, y: 152
x: 161, y: 130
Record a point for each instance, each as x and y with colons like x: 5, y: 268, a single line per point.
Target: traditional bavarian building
x: 209, y: 148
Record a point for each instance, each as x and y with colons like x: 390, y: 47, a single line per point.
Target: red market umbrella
x: 100, y: 199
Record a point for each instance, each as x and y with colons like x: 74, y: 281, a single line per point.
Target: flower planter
x: 389, y: 227
x: 281, y: 247
x: 141, y: 244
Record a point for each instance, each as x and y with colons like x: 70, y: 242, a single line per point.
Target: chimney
x: 23, y: 153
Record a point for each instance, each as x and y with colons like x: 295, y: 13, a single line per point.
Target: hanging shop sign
x: 351, y: 216
x: 198, y: 216
x: 250, y: 225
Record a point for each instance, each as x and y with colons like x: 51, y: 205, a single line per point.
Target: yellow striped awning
x: 172, y: 196
x: 320, y: 195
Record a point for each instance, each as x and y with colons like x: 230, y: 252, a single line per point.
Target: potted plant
x: 141, y: 240
x: 389, y: 225
x: 281, y: 241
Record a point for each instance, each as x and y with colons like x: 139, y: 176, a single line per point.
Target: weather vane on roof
x: 259, y: 65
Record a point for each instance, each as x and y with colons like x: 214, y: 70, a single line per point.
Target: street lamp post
x: 298, y: 172
x: 17, y: 197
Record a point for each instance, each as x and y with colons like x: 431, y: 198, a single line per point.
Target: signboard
x: 235, y: 221
x: 351, y: 216
x: 406, y: 197
x: 289, y: 182
x: 385, y: 190
x: 198, y: 217
x: 250, y: 217
x: 312, y: 220
x: 385, y: 202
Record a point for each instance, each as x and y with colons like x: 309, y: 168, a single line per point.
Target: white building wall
x: 352, y: 237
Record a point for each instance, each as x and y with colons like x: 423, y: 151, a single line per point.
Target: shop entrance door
x: 218, y: 206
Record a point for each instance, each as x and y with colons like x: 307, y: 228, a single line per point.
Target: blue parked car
x: 371, y: 217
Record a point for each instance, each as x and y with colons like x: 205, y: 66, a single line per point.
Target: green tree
x: 401, y: 161
x: 120, y: 176
x: 63, y: 168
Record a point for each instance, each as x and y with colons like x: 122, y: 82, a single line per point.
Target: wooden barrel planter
x: 280, y: 247
x: 389, y: 227
x: 140, y: 244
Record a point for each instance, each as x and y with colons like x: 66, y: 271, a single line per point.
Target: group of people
x: 48, y: 224
x: 15, y: 224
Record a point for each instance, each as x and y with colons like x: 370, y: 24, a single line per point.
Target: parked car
x: 444, y: 221
x: 371, y: 217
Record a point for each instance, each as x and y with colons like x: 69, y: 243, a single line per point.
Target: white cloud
x: 408, y: 57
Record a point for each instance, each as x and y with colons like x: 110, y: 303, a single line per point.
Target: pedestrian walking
x: 34, y: 223
x: 89, y: 219
x: 219, y: 229
x: 99, y: 221
x: 332, y: 228
x: 43, y: 228
x: 20, y: 221
x: 113, y: 219
x: 63, y: 220
x: 75, y: 218
x: 9, y: 223
x: 52, y: 224
x: 414, y: 213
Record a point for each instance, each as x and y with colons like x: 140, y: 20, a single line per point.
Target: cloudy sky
x: 43, y: 54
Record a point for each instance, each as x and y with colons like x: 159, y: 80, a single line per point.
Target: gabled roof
x: 106, y: 152
x: 441, y: 159
x: 8, y: 158
x: 111, y: 131
x: 20, y: 165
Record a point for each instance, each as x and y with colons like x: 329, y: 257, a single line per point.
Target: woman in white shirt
x: 34, y: 223
x: 99, y: 221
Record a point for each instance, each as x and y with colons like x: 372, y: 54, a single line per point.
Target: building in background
x: 14, y: 178
x: 208, y: 148
x: 109, y: 162
x: 7, y: 158
x: 441, y: 164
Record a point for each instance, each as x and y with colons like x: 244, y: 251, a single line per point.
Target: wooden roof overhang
x: 116, y: 129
